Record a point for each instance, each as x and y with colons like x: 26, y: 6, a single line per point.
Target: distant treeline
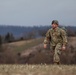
x: 15, y: 33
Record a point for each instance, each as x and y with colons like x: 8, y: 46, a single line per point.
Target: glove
x: 63, y: 47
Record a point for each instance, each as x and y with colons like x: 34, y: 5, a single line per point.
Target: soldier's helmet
x: 55, y: 22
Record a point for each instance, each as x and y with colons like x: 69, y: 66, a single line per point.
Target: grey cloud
x: 37, y: 12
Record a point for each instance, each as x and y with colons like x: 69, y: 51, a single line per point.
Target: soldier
x: 57, y: 38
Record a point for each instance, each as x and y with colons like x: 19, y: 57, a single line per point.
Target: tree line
x: 30, y: 33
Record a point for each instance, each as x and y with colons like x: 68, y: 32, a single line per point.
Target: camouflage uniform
x: 56, y: 38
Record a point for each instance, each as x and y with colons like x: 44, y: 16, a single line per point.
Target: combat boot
x: 57, y: 63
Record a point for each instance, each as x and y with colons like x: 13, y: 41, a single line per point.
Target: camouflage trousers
x: 57, y: 52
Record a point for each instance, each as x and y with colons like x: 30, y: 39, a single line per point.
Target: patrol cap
x: 55, y: 22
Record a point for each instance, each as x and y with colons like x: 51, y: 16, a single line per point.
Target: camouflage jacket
x: 55, y: 36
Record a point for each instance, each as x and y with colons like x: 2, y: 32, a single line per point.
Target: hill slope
x: 32, y: 52
x: 39, y: 61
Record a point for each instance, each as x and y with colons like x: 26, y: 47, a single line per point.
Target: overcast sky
x: 37, y: 12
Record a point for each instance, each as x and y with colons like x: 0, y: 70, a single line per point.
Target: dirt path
x: 71, y: 42
x: 31, y: 50
x: 19, y: 43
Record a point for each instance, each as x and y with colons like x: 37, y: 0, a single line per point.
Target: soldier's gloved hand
x: 45, y: 46
x: 63, y: 47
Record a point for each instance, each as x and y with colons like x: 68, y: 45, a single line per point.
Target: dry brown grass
x: 19, y: 43
x: 72, y: 41
x: 41, y: 69
x: 20, y: 46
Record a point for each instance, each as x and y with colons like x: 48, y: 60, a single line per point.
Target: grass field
x: 23, y: 45
x: 37, y: 69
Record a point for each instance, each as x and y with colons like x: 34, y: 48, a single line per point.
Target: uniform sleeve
x: 47, y: 37
x: 64, y: 37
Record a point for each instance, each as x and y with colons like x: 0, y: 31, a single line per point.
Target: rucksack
x: 64, y: 29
